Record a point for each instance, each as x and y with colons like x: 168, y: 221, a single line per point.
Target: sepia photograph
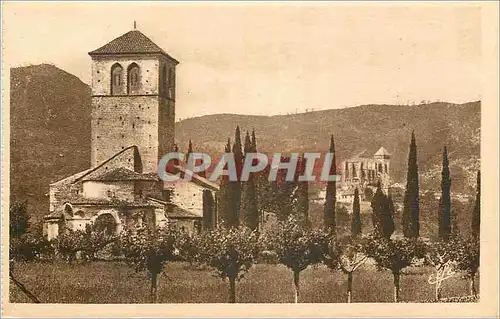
x: 267, y: 154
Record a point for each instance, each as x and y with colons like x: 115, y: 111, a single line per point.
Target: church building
x: 364, y: 172
x: 132, y: 128
x: 359, y: 170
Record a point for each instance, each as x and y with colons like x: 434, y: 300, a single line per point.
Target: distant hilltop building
x: 360, y: 170
x: 132, y: 127
x: 364, y: 172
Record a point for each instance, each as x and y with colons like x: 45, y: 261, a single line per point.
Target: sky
x: 267, y: 59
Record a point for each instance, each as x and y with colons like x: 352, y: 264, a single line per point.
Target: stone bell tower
x: 133, y: 99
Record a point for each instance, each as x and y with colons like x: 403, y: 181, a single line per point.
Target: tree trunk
x: 472, y: 287
x: 438, y: 291
x: 154, y: 291
x: 396, y: 286
x: 349, y: 287
x: 296, y: 285
x: 232, y: 290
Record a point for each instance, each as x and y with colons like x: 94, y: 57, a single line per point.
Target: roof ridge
x: 69, y: 177
x: 105, y: 162
x: 121, y: 174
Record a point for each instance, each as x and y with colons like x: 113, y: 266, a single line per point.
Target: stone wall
x: 188, y: 196
x: 122, y: 190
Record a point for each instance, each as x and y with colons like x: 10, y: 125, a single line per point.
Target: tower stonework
x: 133, y: 100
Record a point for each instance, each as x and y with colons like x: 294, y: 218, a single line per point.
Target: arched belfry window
x: 116, y: 79
x: 133, y: 79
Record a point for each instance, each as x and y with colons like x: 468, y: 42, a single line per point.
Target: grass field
x: 116, y: 282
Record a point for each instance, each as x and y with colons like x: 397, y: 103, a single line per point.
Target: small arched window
x: 116, y: 79
x: 133, y: 79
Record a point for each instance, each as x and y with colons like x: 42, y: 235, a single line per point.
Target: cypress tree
x: 249, y: 213
x: 208, y: 210
x: 227, y: 148
x: 262, y: 185
x: 247, y: 147
x: 376, y: 208
x: 238, y: 151
x: 356, y: 215
x: 303, y: 196
x: 190, y: 149
x: 176, y: 150
x: 283, y: 194
x: 411, y: 199
x: 389, y: 217
x: 254, y: 142
x: 329, y: 215
x: 476, y: 213
x: 382, y: 217
x: 235, y: 186
x: 445, y: 200
x: 224, y: 200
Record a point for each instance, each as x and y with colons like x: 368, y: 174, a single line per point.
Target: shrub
x: 88, y: 243
x: 466, y: 258
x: 149, y: 249
x: 29, y: 247
x: 394, y: 255
x: 18, y: 219
x: 231, y: 252
x: 297, y: 247
x: 346, y: 255
x: 439, y: 254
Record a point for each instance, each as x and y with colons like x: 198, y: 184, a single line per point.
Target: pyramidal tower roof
x: 132, y: 42
x: 382, y: 152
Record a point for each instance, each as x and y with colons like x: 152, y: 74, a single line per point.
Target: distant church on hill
x: 132, y: 127
x: 359, y: 170
x: 364, y: 172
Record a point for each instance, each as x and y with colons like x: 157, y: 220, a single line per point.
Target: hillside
x: 356, y: 129
x: 50, y: 131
